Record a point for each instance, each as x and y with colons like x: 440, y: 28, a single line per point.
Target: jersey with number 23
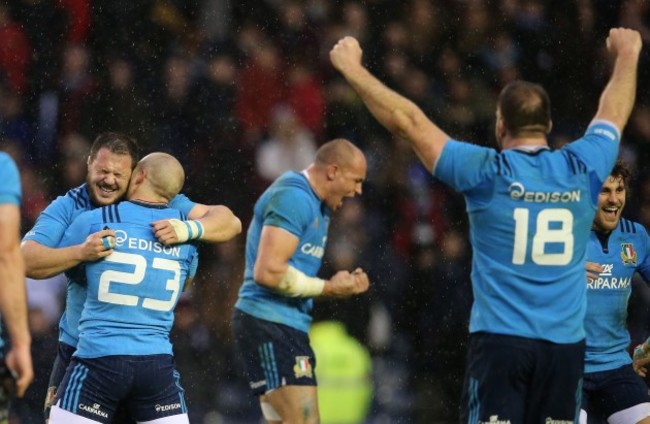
x: 132, y: 293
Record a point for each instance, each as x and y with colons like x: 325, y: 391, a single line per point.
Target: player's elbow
x: 235, y: 226
x: 230, y: 225
x: 32, y: 268
x: 265, y: 276
x: 409, y: 122
x: 37, y: 273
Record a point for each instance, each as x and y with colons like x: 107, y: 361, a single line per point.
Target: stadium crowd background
x: 240, y: 91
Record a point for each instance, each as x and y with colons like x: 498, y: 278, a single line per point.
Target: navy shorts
x: 274, y: 355
x: 63, y: 356
x: 607, y: 392
x: 149, y: 385
x: 522, y: 381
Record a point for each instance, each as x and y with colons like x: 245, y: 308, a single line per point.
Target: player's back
x: 132, y: 292
x: 530, y: 211
x: 529, y: 237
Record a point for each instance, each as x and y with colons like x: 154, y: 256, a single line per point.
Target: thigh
x: 61, y: 416
x: 63, y: 356
x: 622, y: 395
x: 175, y: 419
x: 274, y: 355
x: 496, y: 379
x: 555, y: 389
x: 157, y: 392
x: 293, y: 404
x: 92, y: 388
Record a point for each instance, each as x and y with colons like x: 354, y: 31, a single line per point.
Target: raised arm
x: 273, y: 271
x: 210, y: 223
x: 618, y: 97
x: 13, y: 299
x: 399, y: 115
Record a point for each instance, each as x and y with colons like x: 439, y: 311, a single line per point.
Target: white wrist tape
x: 296, y: 284
x: 187, y: 230
x: 108, y: 242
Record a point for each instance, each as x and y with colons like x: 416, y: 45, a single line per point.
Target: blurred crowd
x: 241, y: 91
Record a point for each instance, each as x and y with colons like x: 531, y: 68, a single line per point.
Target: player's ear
x: 138, y: 175
x: 332, y: 170
x: 549, y: 127
x: 500, y: 128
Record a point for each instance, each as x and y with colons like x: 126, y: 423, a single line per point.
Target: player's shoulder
x: 10, y: 190
x: 631, y: 228
x: 7, y: 164
x: 77, y: 198
x: 292, y: 179
x: 89, y: 216
x: 292, y: 184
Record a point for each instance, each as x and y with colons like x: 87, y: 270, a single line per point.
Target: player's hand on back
x: 165, y: 232
x: 345, y: 283
x: 98, y: 245
x: 173, y: 231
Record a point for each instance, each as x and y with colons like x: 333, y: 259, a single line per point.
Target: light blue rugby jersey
x: 291, y: 204
x: 48, y: 231
x: 530, y: 217
x: 10, y: 189
x: 131, y: 294
x: 621, y: 254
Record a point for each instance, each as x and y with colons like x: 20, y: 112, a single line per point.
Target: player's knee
x: 304, y: 411
x: 583, y: 417
x: 269, y: 413
x: 49, y: 401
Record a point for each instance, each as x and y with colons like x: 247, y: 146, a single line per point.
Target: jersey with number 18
x: 131, y: 294
x: 530, y: 214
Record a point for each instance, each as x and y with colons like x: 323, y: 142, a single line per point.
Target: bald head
x: 338, y: 171
x: 339, y: 152
x: 157, y: 175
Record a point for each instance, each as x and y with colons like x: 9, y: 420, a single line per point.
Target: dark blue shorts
x: 607, y: 392
x: 149, y: 385
x: 63, y: 356
x: 521, y: 381
x: 274, y: 355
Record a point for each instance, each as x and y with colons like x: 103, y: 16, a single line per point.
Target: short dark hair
x: 117, y: 143
x: 524, y: 107
x: 622, y: 171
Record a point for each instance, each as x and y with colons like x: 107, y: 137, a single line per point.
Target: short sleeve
x: 10, y: 189
x: 290, y: 209
x: 52, y: 222
x: 464, y: 166
x: 598, y: 148
x: 182, y: 203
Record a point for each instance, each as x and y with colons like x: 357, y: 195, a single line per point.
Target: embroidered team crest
x: 628, y: 254
x: 302, y: 367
